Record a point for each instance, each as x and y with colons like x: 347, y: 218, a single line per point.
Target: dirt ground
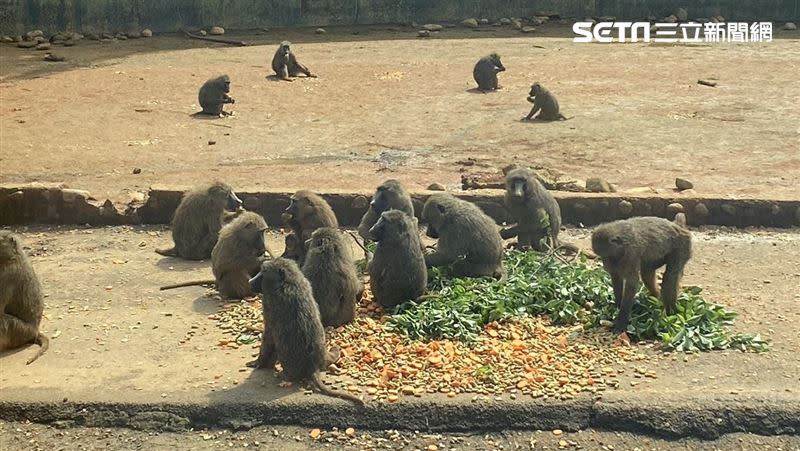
x: 387, y: 104
x: 31, y: 437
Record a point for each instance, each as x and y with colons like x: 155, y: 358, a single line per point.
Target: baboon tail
x: 43, y: 343
x: 575, y: 250
x: 561, y: 117
x: 680, y: 219
x: 171, y: 252
x: 189, y: 284
x: 317, y: 382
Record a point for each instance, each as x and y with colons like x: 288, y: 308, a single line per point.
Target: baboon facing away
x: 293, y: 332
x: 485, y: 72
x: 641, y: 245
x: 213, y: 95
x: 21, y: 299
x: 285, y: 64
x: 198, y: 219
x: 535, y: 210
x: 469, y: 240
x: 544, y: 103
x: 307, y: 212
x: 390, y: 195
x: 330, y: 269
x: 397, y: 272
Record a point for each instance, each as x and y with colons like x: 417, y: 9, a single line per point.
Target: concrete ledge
x: 54, y: 204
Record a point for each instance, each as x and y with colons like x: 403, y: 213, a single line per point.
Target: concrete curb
x: 54, y: 204
x: 704, y: 416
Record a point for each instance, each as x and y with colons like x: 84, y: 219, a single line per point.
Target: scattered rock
x: 432, y: 27
x: 598, y: 185
x: 505, y: 21
x: 707, y: 83
x: 528, y: 29
x: 728, y: 209
x: 216, y: 31
x: 670, y: 19
x: 516, y: 24
x: 423, y: 33
x: 57, y: 38
x: 147, y: 33
x: 6, y: 39
x: 436, y: 187
x: 121, y: 37
x: 789, y: 26
x: 675, y: 208
x: 211, y: 142
x: 625, y: 207
x: 69, y: 43
x: 34, y: 34
x: 683, y: 184
x: 27, y: 44
x: 320, y: 31
x: 700, y: 209
x: 484, y: 21
x: 73, y: 195
x: 54, y: 58
x: 202, y: 32
x: 470, y: 23
x: 43, y: 46
x: 106, y: 35
x: 134, y: 34
x: 681, y: 14
x: 137, y: 170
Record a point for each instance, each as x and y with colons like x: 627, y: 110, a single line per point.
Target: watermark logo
x: 689, y: 32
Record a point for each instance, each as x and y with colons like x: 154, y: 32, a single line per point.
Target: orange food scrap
x: 315, y: 433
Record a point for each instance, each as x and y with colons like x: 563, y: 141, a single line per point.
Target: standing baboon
x: 469, y: 240
x: 330, y: 269
x: 545, y: 102
x: 198, y: 219
x: 397, y: 272
x: 307, y: 212
x: 641, y: 245
x: 390, y: 195
x: 535, y: 210
x: 21, y: 299
x: 485, y: 72
x: 285, y: 64
x: 214, y: 95
x: 293, y: 332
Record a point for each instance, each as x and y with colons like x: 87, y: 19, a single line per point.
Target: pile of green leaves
x: 568, y: 293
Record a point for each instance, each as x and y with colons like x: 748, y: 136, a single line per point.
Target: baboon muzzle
x: 518, y: 188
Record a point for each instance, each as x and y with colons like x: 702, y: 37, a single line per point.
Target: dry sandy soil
x: 387, y: 104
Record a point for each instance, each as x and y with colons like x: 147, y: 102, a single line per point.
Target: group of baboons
x: 214, y: 94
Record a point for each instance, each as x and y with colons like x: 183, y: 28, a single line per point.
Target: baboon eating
x: 214, y: 95
x: 21, y: 299
x: 236, y: 257
x: 397, y: 272
x: 544, y: 103
x: 469, y: 240
x: 641, y: 245
x: 307, y: 212
x: 285, y: 64
x: 390, y: 195
x: 293, y: 331
x: 198, y: 219
x: 485, y: 72
x: 330, y: 269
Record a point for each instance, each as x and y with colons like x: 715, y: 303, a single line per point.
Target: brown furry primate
x: 330, y: 269
x: 390, y: 195
x: 397, y: 272
x: 285, y: 63
x: 306, y: 212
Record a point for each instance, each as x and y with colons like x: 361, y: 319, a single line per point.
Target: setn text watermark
x: 689, y: 32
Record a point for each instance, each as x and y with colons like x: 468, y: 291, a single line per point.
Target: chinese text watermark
x: 689, y: 32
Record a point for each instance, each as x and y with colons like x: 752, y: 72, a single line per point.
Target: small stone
x: 202, y: 32
x: 31, y: 35
x: 216, y: 31
x: 683, y: 184
x: 423, y: 33
x: 700, y: 209
x: 53, y: 58
x: 147, y: 33
x: 681, y: 14
x: 43, y: 46
x: 728, y: 209
x: 597, y: 185
x: 436, y: 187
x: 320, y: 31
x: 121, y: 37
x: 350, y: 432
x: 432, y: 448
x: 516, y: 24
x: 134, y: 34
x: 470, y: 23
x: 557, y: 432
x: 69, y: 43
x: 675, y: 208
x: 211, y: 142
x: 505, y: 21
x: 27, y: 44
x: 432, y: 27
x: 528, y: 29
x: 789, y: 26
x: 721, y: 19
x: 670, y: 19
x: 625, y: 207
x: 6, y: 39
x: 484, y: 21
x: 137, y: 170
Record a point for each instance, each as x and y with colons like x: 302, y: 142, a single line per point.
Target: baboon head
x: 392, y: 225
x: 223, y: 82
x: 386, y: 194
x: 272, y: 275
x: 434, y: 213
x: 607, y: 243
x: 325, y: 239
x: 285, y: 48
x: 497, y: 63
x: 536, y: 89
x: 253, y: 232
x: 224, y: 196
x: 10, y: 246
x: 518, y: 184
x: 300, y: 206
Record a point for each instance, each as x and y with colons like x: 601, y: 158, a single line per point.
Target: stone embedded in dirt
x: 211, y: 142
x: 147, y: 33
x: 789, y: 26
x: 53, y: 58
x: 137, y: 170
x: 216, y: 31
x: 597, y: 185
x: 436, y: 187
x: 423, y: 33
x: 516, y: 24
x: 528, y: 29
x: 432, y: 27
x: 505, y: 21
x: 681, y: 14
x: 470, y: 23
x: 202, y: 32
x: 675, y: 208
x: 670, y: 19
x: 73, y: 195
x: 320, y: 31
x: 625, y: 207
x: 27, y: 44
x: 700, y: 209
x: 683, y: 184
x: 43, y: 46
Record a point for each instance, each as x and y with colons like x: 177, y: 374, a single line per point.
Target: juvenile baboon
x: 397, y: 272
x: 293, y: 331
x: 285, y: 64
x: 390, y: 195
x: 198, y: 219
x: 544, y: 103
x: 469, y: 240
x: 21, y: 299
x: 641, y: 245
x: 485, y: 72
x: 214, y: 95
x: 330, y: 269
x: 292, y: 247
x: 535, y: 210
x: 307, y: 212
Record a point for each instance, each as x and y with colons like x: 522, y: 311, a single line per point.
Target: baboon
x: 529, y: 204
x: 21, y: 299
x: 397, y: 272
x: 485, y: 72
x: 285, y: 64
x: 330, y: 269
x: 293, y: 331
x: 469, y: 240
x: 307, y: 212
x: 635, y: 246
x: 544, y: 103
x: 198, y: 219
x: 292, y: 247
x: 236, y: 257
x: 214, y: 95
x: 390, y: 195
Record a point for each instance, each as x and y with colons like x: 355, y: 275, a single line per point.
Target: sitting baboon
x: 285, y: 64
x: 292, y: 247
x: 390, y: 195
x: 641, y: 245
x: 21, y: 299
x: 236, y: 257
x: 330, y: 269
x: 293, y: 332
x: 544, y: 103
x: 198, y: 219
x: 485, y: 72
x: 469, y: 240
x: 307, y: 212
x: 214, y: 95
x: 397, y: 272
x: 535, y: 210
